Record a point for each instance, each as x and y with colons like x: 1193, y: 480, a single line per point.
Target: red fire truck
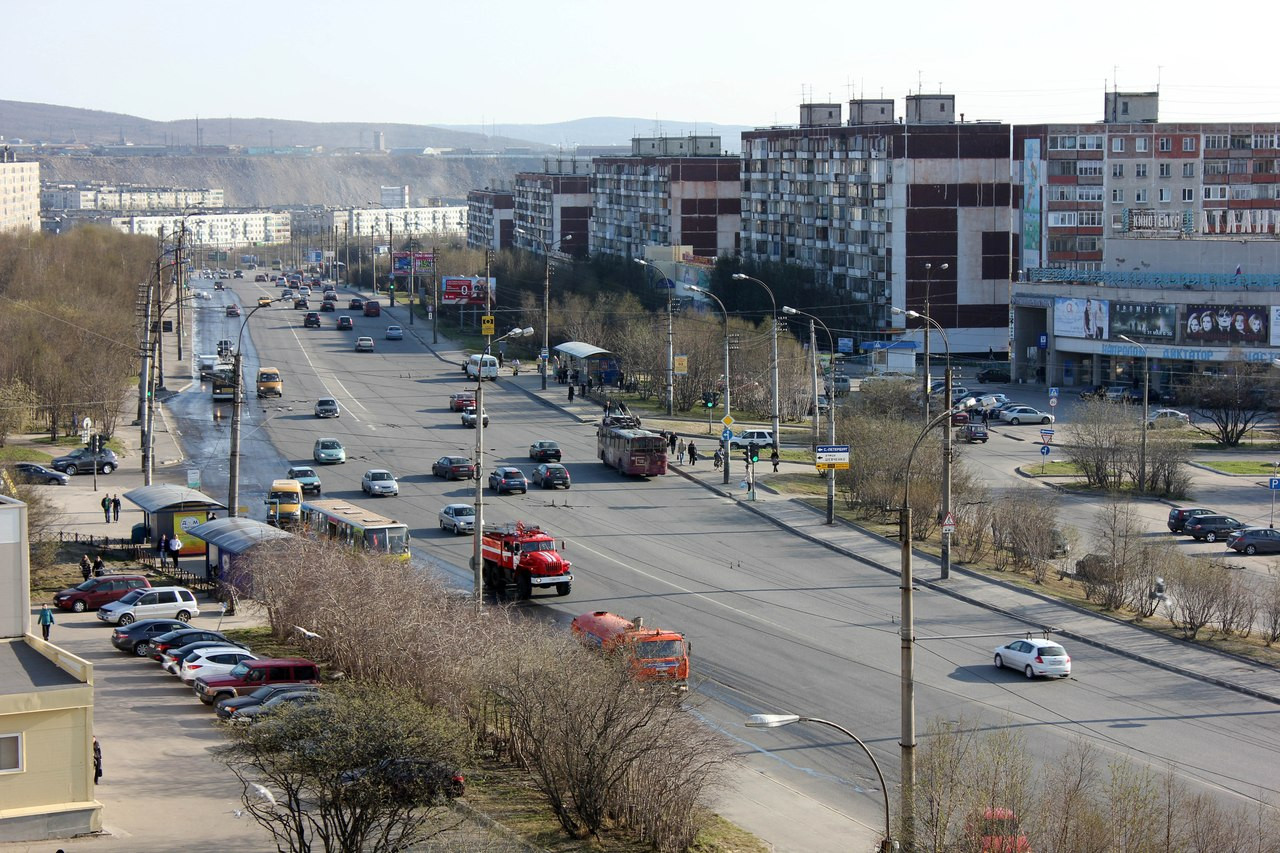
x: 523, y: 557
x: 653, y: 654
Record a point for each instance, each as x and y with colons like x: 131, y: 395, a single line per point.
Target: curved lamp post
x: 233, y: 475
x: 773, y: 721
x: 671, y: 338
x: 727, y: 410
x: 743, y: 277
x: 1146, y: 401
x: 546, y: 296
x: 928, y: 285
x: 831, y: 412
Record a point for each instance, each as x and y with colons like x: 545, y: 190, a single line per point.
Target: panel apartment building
x: 490, y: 219
x: 19, y: 193
x: 553, y: 207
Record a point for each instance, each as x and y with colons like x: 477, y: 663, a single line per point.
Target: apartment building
x: 490, y: 219
x: 96, y: 196
x: 667, y: 192
x: 227, y: 230
x: 391, y: 222
x: 19, y: 193
x: 553, y: 207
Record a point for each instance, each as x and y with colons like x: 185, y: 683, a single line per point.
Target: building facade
x: 490, y: 219
x: 553, y: 207
x: 19, y: 193
x: 92, y: 196
x: 441, y: 220
x: 226, y: 230
x: 668, y: 192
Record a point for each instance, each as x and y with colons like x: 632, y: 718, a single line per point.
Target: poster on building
x: 1031, y: 202
x: 1275, y: 325
x: 1081, y: 318
x: 1143, y: 321
x: 423, y: 261
x: 464, y: 290
x: 1227, y: 325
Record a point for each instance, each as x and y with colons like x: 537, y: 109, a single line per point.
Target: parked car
x: 1034, y: 657
x: 1015, y: 415
x: 311, y: 320
x: 1254, y: 540
x: 1162, y: 418
x: 469, y: 417
x: 1093, y: 392
x: 226, y: 707
x: 38, y: 475
x: 993, y: 374
x: 249, y: 675
x: 395, y: 333
x: 95, y: 592
x: 453, y: 468
x: 959, y: 418
x: 306, y: 476
x: 329, y: 451
x: 364, y: 343
x: 211, y: 661
x: 972, y: 432
x: 506, y: 479
x: 1121, y: 394
x: 171, y: 660
x: 1179, y: 514
x: 460, y: 518
x: 251, y: 713
x: 747, y: 436
x: 136, y: 637
x: 461, y: 400
x: 379, y: 481
x: 158, y: 602
x: 327, y: 407
x: 544, y: 451
x: 1211, y: 528
x: 83, y: 459
x: 179, y: 637
x: 548, y: 475
x: 408, y: 781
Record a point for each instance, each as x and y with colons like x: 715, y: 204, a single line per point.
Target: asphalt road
x: 776, y: 622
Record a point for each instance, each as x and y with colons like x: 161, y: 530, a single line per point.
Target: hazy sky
x: 747, y: 62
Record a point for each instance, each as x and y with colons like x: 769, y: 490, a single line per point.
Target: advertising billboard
x: 1275, y: 325
x: 422, y: 262
x: 464, y: 290
x: 1227, y: 325
x: 1143, y: 321
x: 1081, y: 318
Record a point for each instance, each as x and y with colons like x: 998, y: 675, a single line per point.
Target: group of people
x: 680, y: 449
x: 170, y: 545
x: 97, y: 568
x: 110, y: 506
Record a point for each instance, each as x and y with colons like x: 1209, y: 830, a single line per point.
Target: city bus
x: 222, y: 385
x: 632, y: 450
x: 359, y: 528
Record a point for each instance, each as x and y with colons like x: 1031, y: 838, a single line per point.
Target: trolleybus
x: 632, y: 450
x: 353, y: 525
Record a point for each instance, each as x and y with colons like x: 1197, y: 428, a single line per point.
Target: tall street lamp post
x: 948, y: 451
x: 1146, y: 398
x: 928, y: 286
x: 772, y: 721
x: 727, y: 409
x: 546, y: 297
x: 233, y: 475
x: 830, y: 473
x: 671, y: 338
x: 742, y: 277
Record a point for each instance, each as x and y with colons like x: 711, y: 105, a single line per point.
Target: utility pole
x: 177, y: 261
x: 813, y: 353
x: 671, y: 351
x: 477, y: 558
x: 435, y: 297
x: 144, y: 384
x: 233, y: 476
x: 948, y: 452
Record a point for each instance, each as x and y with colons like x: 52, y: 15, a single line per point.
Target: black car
x: 267, y: 691
x: 30, y: 472
x: 506, y: 479
x: 180, y: 637
x: 1211, y: 528
x: 993, y: 374
x: 136, y: 637
x: 548, y: 475
x: 356, y: 304
x: 327, y: 305
x: 1254, y: 540
x: 311, y: 321
x: 344, y: 323
x: 1179, y: 514
x: 544, y: 451
x: 82, y: 459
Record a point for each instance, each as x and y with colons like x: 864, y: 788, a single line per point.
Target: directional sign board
x: 486, y: 324
x: 832, y: 456
x: 1044, y: 451
x: 1046, y: 435
x: 949, y: 523
x: 726, y: 435
x: 1053, y: 392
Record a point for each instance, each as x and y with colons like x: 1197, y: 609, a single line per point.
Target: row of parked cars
x: 1204, y: 524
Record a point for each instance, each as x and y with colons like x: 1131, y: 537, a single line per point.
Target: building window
x: 1166, y: 170
x: 1242, y: 192
x: 1165, y: 195
x: 1238, y: 166
x: 1188, y: 143
x: 1088, y: 244
x: 1215, y: 193
x: 1117, y: 196
x: 11, y: 753
x: 1090, y: 143
x: 1166, y: 144
x: 1189, y: 193
x: 1062, y: 143
x: 1188, y: 170
x: 1088, y: 168
x: 1215, y: 167
x: 1264, y: 140
x: 1139, y: 170
x: 1117, y: 170
x: 1062, y: 219
x: 1117, y: 222
x: 1264, y: 167
x: 1117, y: 145
x: 1141, y: 144
x: 1089, y: 193
x: 1090, y: 219
x: 1140, y: 196
x: 1217, y: 141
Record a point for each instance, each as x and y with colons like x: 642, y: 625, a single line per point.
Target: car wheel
x: 1045, y: 419
x: 1211, y: 537
x: 442, y: 525
x: 1013, y: 421
x: 183, y: 616
x: 1029, y: 672
x: 999, y: 662
x: 140, y: 649
x: 562, y: 589
x: 1251, y: 549
x: 126, y: 619
x: 524, y: 586
x: 52, y: 482
x: 72, y: 470
x: 78, y: 607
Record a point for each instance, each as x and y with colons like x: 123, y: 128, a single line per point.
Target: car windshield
x: 131, y: 596
x: 330, y: 445
x: 88, y: 585
x: 297, y: 473
x: 463, y: 511
x: 655, y: 649
x: 240, y: 670
x: 541, y: 545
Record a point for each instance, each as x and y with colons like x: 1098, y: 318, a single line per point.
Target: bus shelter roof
x: 578, y: 349
x: 237, y: 535
x: 163, y: 496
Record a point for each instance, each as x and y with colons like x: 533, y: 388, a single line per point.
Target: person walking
x: 693, y: 454
x: 570, y: 393
x: 106, y: 508
x: 175, y: 548
x: 97, y: 760
x: 99, y: 566
x: 115, y: 507
x: 671, y: 443
x: 680, y: 445
x: 162, y: 545
x: 46, y: 621
x: 775, y: 459
x: 86, y: 568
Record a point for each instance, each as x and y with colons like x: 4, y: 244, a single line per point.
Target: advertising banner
x: 1227, y: 325
x: 463, y: 290
x: 184, y: 521
x: 400, y: 264
x: 423, y: 261
x: 1143, y: 321
x: 1081, y: 318
x: 1275, y: 325
x: 1031, y: 181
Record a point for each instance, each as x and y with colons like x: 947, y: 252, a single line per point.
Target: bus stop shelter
x: 172, y: 510
x: 589, y: 360
x: 228, y: 539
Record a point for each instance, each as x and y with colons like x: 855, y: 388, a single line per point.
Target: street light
x: 1146, y: 397
x: 947, y: 449
x: 671, y: 338
x: 907, y: 634
x: 477, y: 560
x: 831, y: 411
x: 928, y: 285
x: 742, y: 277
x: 773, y: 721
x: 233, y: 475
x: 727, y: 410
x: 546, y: 297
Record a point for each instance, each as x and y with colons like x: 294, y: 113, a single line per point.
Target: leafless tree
x: 1234, y: 401
x: 1099, y: 440
x: 1197, y: 589
x: 1269, y: 607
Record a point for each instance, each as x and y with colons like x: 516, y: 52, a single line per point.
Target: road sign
x: 949, y: 523
x: 545, y: 354
x: 486, y: 324
x: 726, y: 434
x: 1046, y: 434
x: 1053, y: 392
x: 1274, y: 483
x: 1053, y: 401
x: 1044, y: 451
x: 727, y: 420
x: 680, y: 366
x: 832, y: 457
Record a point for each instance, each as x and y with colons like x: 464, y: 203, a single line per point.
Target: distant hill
x: 609, y: 130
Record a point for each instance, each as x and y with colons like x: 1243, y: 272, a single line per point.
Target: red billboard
x: 464, y: 290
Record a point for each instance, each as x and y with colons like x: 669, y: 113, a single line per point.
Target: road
x: 776, y: 622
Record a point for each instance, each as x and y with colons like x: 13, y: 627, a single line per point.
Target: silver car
x: 379, y: 481
x: 460, y: 518
x: 1034, y: 657
x: 327, y: 407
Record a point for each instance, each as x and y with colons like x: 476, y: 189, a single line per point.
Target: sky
x: 540, y: 61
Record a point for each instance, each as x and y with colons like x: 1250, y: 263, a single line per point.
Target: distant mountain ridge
x: 610, y: 130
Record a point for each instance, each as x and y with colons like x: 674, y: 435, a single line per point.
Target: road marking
x: 319, y: 374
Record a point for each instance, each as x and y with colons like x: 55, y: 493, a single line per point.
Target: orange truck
x: 523, y: 557
x: 654, y: 654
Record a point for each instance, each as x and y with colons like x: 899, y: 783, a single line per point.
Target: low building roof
x: 163, y: 496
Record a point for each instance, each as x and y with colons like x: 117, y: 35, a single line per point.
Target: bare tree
x: 1100, y: 441
x: 1234, y: 401
x: 1197, y: 589
x: 1269, y: 607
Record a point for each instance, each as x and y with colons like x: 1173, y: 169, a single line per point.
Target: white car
x: 759, y: 436
x: 1034, y: 657
x: 395, y: 333
x: 1162, y: 418
x: 1025, y: 415
x: 379, y: 481
x: 364, y: 344
x: 460, y: 518
x: 212, y: 661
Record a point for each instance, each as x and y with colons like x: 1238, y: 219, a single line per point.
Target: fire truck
x: 653, y: 654
x: 524, y: 557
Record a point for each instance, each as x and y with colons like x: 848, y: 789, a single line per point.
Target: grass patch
x: 1246, y: 446
x: 263, y: 642
x: 1250, y: 467
x: 1053, y: 469
x: 24, y: 453
x: 796, y: 484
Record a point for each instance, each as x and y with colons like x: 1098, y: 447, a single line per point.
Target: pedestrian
x: 99, y: 566
x: 680, y: 445
x: 175, y: 548
x: 515, y: 367
x: 162, y: 542
x: 693, y: 455
x: 570, y: 393
x: 717, y: 459
x: 97, y: 760
x: 775, y: 459
x: 500, y: 357
x: 106, y: 508
x: 46, y: 621
x: 588, y: 382
x: 115, y: 507
x: 671, y: 443
x: 86, y: 568
x: 582, y: 388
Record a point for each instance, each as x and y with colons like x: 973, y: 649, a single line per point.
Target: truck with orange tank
x: 653, y: 654
x: 523, y: 557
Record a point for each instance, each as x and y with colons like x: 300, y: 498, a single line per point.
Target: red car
x: 461, y: 401
x: 453, y: 468
x: 98, y: 591
x: 372, y: 308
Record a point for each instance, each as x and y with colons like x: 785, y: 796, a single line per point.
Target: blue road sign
x: 1053, y: 392
x: 1044, y: 450
x: 726, y: 435
x: 833, y: 448
x: 1274, y: 484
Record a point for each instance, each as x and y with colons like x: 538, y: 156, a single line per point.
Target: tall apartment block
x: 394, y: 197
x: 19, y: 193
x: 490, y: 218
x: 667, y: 192
x: 553, y: 207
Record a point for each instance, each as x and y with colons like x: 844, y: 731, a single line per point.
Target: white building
x: 88, y: 196
x: 219, y: 229
x: 442, y: 220
x: 19, y: 194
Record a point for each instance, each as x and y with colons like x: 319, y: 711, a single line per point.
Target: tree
x: 363, y: 768
x: 1234, y: 401
x: 1099, y: 442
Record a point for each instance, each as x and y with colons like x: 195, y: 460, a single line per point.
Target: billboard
x: 464, y: 290
x: 1275, y: 325
x: 1227, y: 325
x: 1144, y: 321
x: 422, y: 261
x: 1081, y: 318
x: 1031, y: 182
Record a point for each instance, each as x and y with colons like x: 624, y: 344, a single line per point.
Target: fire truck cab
x: 522, y: 557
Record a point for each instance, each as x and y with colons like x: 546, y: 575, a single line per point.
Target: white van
x: 482, y: 367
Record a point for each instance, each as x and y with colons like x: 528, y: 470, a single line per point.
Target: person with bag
x: 86, y: 568
x: 175, y: 548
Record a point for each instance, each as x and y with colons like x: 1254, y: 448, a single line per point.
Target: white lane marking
x: 311, y: 364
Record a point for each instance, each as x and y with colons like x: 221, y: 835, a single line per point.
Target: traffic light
x: 753, y: 452
x: 709, y: 399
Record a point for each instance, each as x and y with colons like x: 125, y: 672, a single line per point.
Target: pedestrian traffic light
x: 753, y: 452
